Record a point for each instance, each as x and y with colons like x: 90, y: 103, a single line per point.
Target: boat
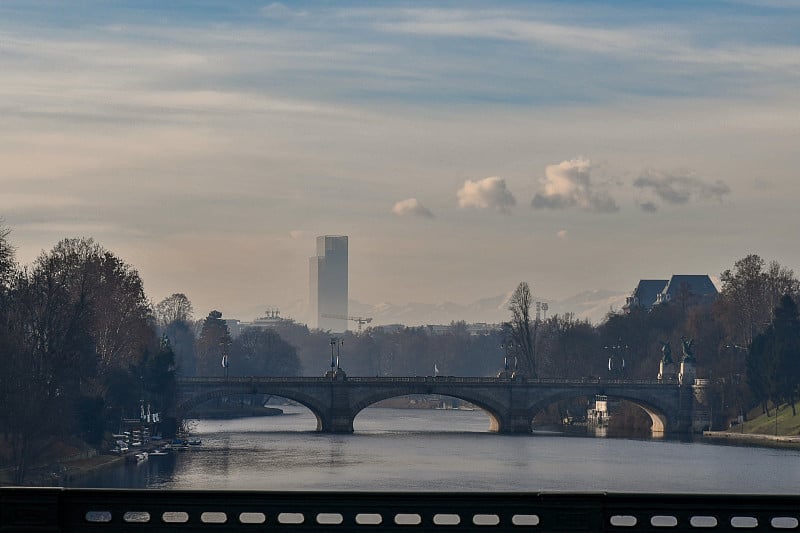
x: 194, y: 442
x: 158, y: 453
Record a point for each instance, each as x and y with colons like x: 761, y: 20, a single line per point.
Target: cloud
x: 276, y: 10
x: 561, y: 234
x: 300, y: 235
x: 411, y: 206
x: 678, y: 189
x: 648, y: 207
x: 568, y: 184
x: 488, y: 193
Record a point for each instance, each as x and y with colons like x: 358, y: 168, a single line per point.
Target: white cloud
x: 568, y: 184
x: 277, y: 10
x: 488, y: 193
x: 411, y: 206
x: 300, y: 235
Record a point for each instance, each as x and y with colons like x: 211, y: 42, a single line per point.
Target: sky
x: 462, y: 146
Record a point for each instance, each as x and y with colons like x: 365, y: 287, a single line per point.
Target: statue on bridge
x: 666, y: 352
x: 666, y: 367
x: 688, y: 350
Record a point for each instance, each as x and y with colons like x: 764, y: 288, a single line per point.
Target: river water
x: 447, y: 450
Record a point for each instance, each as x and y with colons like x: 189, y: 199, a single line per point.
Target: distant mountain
x: 593, y: 305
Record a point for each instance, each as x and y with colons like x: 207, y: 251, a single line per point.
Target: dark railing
x: 78, y: 510
x: 420, y: 379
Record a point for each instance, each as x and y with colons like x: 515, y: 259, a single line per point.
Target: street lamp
x: 334, y: 342
x: 508, y: 348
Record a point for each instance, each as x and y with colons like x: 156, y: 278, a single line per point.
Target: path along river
x: 447, y: 450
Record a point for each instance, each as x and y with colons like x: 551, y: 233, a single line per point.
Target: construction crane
x: 360, y: 320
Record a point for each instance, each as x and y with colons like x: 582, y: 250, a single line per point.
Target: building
x: 271, y: 320
x: 327, y: 283
x: 687, y: 289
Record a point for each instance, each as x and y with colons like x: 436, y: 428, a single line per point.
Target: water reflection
x: 395, y: 449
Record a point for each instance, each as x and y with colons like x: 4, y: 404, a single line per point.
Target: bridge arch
x: 309, y: 402
x: 487, y: 405
x: 658, y: 417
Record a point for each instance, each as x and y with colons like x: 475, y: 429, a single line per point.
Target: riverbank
x: 63, y: 471
x: 753, y: 439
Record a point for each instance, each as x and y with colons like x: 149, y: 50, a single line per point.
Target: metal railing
x: 90, y: 510
x: 243, y: 380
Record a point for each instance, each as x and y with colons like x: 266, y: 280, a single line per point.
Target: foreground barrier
x: 76, y: 510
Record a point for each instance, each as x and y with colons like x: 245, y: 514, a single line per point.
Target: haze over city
x: 462, y: 149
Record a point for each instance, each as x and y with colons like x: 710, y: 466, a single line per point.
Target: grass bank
x: 787, y: 424
x: 779, y: 430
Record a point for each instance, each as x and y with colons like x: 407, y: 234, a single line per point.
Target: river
x: 447, y: 450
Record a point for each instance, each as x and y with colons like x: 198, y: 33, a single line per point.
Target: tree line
x: 82, y: 346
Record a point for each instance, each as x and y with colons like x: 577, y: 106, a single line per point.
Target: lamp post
x: 615, y: 350
x: 508, y: 348
x: 334, y: 342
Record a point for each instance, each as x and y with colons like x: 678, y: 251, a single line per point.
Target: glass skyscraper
x: 327, y: 281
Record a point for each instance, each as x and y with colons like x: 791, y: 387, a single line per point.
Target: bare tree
x: 7, y: 263
x: 750, y: 293
x: 521, y: 328
x: 174, y: 308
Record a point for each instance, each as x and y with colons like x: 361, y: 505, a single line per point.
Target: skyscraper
x: 327, y: 282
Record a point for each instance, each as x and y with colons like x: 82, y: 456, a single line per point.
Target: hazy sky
x: 463, y: 146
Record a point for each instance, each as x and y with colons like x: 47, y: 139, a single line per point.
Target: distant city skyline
x: 463, y: 147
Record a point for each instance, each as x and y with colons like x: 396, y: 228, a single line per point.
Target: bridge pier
x: 515, y: 421
x: 338, y: 418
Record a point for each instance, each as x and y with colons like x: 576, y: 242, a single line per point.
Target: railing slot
x: 291, y: 518
x: 252, y: 518
x: 136, y: 517
x: 329, y: 518
x: 663, y: 521
x: 623, y: 520
x: 98, y: 516
x: 210, y: 517
x: 407, y: 519
x: 703, y: 521
x: 744, y: 522
x: 525, y: 520
x: 368, y: 519
x: 175, y: 517
x: 442, y: 519
x: 784, y: 522
x: 485, y: 519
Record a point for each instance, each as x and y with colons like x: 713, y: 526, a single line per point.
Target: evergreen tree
x: 214, y: 342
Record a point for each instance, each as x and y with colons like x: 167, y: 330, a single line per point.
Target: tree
x: 7, y: 263
x: 214, y: 342
x: 786, y: 331
x: 750, y: 293
x: 174, y: 308
x: 520, y: 328
x: 174, y: 317
x: 773, y: 361
x: 262, y: 352
x: 181, y: 337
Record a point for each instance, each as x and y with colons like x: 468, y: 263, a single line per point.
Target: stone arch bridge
x: 510, y: 403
